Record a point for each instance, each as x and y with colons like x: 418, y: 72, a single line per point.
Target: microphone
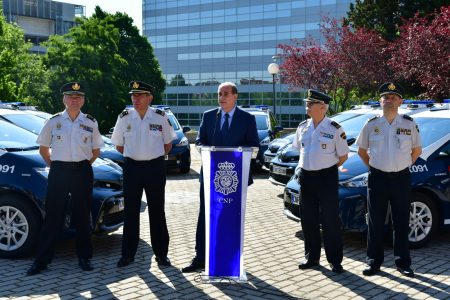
x: 215, y: 126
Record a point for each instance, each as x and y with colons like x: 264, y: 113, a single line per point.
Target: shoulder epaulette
x: 91, y: 118
x: 55, y: 115
x: 158, y: 111
x: 335, y: 124
x: 373, y: 118
x: 302, y: 123
x: 408, y: 118
x: 124, y: 113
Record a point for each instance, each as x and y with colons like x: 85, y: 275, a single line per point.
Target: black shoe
x: 337, y: 268
x: 408, y: 272
x: 163, y: 261
x: 125, y: 261
x: 370, y: 270
x: 85, y: 264
x: 306, y: 264
x: 195, y: 265
x: 36, y: 268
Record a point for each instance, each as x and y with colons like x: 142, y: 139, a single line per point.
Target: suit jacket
x: 242, y: 131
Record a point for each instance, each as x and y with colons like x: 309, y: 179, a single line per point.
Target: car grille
x: 115, y: 185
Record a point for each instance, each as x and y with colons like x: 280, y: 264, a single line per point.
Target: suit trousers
x: 319, y: 204
x: 149, y: 176
x: 64, y: 178
x: 384, y: 188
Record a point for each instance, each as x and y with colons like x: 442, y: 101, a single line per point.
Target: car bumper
x: 280, y: 174
x: 111, y: 212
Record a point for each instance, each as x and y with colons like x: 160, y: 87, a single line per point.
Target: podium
x: 225, y: 179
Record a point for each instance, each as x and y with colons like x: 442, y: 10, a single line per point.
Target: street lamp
x: 273, y: 69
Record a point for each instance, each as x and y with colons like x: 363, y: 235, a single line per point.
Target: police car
x: 179, y: 156
x: 283, y: 165
x: 275, y: 146
x: 33, y: 120
x: 267, y: 126
x: 430, y: 179
x: 23, y: 184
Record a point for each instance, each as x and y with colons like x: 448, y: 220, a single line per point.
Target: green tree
x: 386, y: 16
x: 22, y: 75
x: 105, y: 52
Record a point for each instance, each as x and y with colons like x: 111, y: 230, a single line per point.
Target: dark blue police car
x: 430, y: 178
x: 23, y: 184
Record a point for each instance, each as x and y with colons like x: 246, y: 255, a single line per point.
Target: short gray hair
x: 233, y: 87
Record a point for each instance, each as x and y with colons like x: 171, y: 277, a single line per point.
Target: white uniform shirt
x: 389, y: 145
x: 143, y: 139
x: 70, y: 141
x: 320, y: 147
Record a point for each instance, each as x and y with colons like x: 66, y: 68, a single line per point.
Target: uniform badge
x: 343, y: 136
x: 376, y: 130
x: 324, y: 146
x: 226, y: 179
x: 391, y: 87
x: 58, y: 137
x: 128, y: 127
x: 58, y: 125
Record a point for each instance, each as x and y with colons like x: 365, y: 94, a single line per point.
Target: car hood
x: 277, y: 144
x: 352, y: 167
x: 288, y: 154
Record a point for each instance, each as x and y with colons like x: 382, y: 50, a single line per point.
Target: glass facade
x: 201, y: 43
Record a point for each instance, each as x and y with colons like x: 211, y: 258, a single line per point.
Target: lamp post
x: 273, y: 70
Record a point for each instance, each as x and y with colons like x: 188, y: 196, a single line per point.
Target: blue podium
x: 225, y: 178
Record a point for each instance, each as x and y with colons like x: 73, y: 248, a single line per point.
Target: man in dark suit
x: 224, y: 126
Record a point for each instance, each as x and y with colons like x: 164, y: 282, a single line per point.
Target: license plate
x: 268, y: 158
x: 120, y: 204
x: 295, y: 199
x: 279, y: 170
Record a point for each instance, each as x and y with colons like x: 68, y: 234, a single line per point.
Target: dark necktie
x: 225, y: 126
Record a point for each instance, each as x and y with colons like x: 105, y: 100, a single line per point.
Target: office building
x: 200, y: 43
x: 41, y: 18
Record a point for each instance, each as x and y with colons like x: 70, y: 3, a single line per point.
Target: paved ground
x: 273, y: 246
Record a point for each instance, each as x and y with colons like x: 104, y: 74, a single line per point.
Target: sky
x: 133, y: 8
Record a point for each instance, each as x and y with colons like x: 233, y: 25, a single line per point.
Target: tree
x: 22, y: 76
x: 105, y: 52
x: 422, y: 53
x: 386, y: 16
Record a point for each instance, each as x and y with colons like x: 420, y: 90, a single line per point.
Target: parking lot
x: 273, y: 247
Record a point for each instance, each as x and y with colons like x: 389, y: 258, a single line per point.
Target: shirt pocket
x: 304, y: 141
x: 58, y: 138
x: 376, y: 143
x: 326, y: 145
x: 129, y: 138
x: 404, y: 143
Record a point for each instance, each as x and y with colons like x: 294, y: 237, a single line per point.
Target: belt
x: 318, y: 172
x: 70, y: 164
x: 390, y: 174
x: 130, y: 160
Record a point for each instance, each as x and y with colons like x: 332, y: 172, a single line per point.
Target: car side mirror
x: 186, y: 129
x: 350, y: 141
x: 277, y: 129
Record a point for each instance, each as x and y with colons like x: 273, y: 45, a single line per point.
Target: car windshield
x: 341, y: 117
x: 261, y: 122
x: 432, y: 129
x: 14, y: 138
x: 29, y: 122
x: 353, y: 126
x: 173, y: 121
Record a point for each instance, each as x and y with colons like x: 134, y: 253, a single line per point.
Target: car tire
x: 18, y: 236
x: 423, y: 221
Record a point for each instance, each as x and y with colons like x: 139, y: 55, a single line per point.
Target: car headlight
x: 183, y: 142
x: 357, y: 181
x: 265, y: 141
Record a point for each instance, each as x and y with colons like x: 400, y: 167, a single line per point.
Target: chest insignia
x: 155, y: 127
x: 343, y: 136
x: 376, y: 130
x: 324, y: 146
x: 58, y: 137
x: 58, y: 125
x: 326, y: 135
x: 403, y: 131
x: 86, y: 128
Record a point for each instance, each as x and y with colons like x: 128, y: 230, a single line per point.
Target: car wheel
x: 423, y: 220
x: 19, y: 226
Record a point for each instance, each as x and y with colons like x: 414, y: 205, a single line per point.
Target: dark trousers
x: 319, y: 203
x: 151, y: 177
x: 77, y: 180
x: 200, y: 233
x: 384, y: 188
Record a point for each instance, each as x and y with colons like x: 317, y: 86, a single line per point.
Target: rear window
x: 174, y: 122
x: 261, y: 122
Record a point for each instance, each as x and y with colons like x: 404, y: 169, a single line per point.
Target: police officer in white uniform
x: 388, y: 145
x: 69, y: 143
x: 323, y: 148
x: 144, y: 136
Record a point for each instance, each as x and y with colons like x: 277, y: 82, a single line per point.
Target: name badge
x: 326, y: 135
x: 86, y: 128
x: 155, y: 127
x: 403, y: 131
